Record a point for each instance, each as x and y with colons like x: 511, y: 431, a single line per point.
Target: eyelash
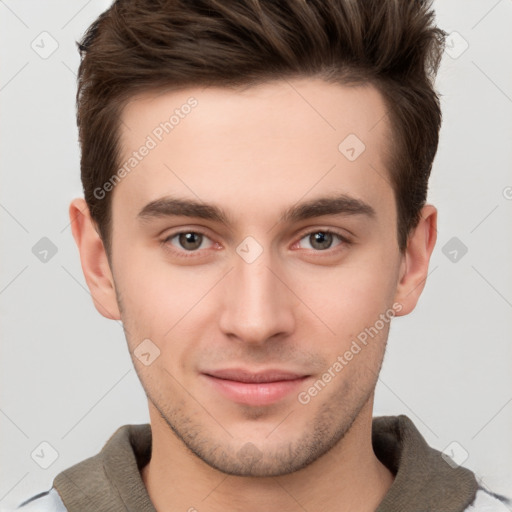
x: 188, y: 254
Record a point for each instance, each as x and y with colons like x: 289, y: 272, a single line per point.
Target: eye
x: 322, y: 239
x: 187, y: 241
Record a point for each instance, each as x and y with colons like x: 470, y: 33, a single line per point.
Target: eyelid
x: 333, y: 231
x: 183, y: 231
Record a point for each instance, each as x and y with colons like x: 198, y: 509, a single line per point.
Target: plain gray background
x: 66, y: 375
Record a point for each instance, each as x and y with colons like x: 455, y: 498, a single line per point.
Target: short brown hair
x: 142, y: 45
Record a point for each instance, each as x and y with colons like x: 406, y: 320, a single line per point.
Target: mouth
x: 254, y: 388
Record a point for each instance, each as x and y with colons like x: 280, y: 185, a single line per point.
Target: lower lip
x: 256, y: 393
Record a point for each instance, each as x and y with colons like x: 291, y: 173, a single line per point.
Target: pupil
x: 322, y: 238
x: 187, y: 240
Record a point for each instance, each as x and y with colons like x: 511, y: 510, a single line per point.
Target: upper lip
x: 240, y: 375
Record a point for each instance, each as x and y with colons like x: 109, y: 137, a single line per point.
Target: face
x: 255, y: 247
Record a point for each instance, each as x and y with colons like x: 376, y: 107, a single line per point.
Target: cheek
x: 354, y: 295
x: 166, y: 305
x: 156, y: 292
x: 356, y: 304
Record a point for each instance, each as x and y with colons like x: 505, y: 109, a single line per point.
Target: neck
x: 348, y: 477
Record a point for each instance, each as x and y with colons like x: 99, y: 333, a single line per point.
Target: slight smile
x: 254, y: 388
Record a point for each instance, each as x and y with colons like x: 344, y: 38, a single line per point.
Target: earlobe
x: 93, y: 257
x: 414, y: 270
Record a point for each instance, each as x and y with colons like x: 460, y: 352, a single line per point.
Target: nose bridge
x: 257, y: 303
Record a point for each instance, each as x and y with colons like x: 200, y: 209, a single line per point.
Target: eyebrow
x: 169, y: 206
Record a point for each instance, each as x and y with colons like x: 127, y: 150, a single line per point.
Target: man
x: 255, y: 177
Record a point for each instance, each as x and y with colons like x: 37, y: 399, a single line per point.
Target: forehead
x: 244, y: 147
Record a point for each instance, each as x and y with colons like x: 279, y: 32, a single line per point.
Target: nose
x: 257, y: 303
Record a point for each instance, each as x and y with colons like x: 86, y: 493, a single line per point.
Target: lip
x: 254, y: 388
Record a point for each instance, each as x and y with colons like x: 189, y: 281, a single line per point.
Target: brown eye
x: 186, y: 241
x: 321, y: 240
x: 190, y: 241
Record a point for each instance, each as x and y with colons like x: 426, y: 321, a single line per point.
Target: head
x: 255, y: 177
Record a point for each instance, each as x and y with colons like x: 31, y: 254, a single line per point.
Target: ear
x: 93, y: 257
x: 414, y: 266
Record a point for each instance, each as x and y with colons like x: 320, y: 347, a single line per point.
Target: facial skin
x: 295, y: 308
